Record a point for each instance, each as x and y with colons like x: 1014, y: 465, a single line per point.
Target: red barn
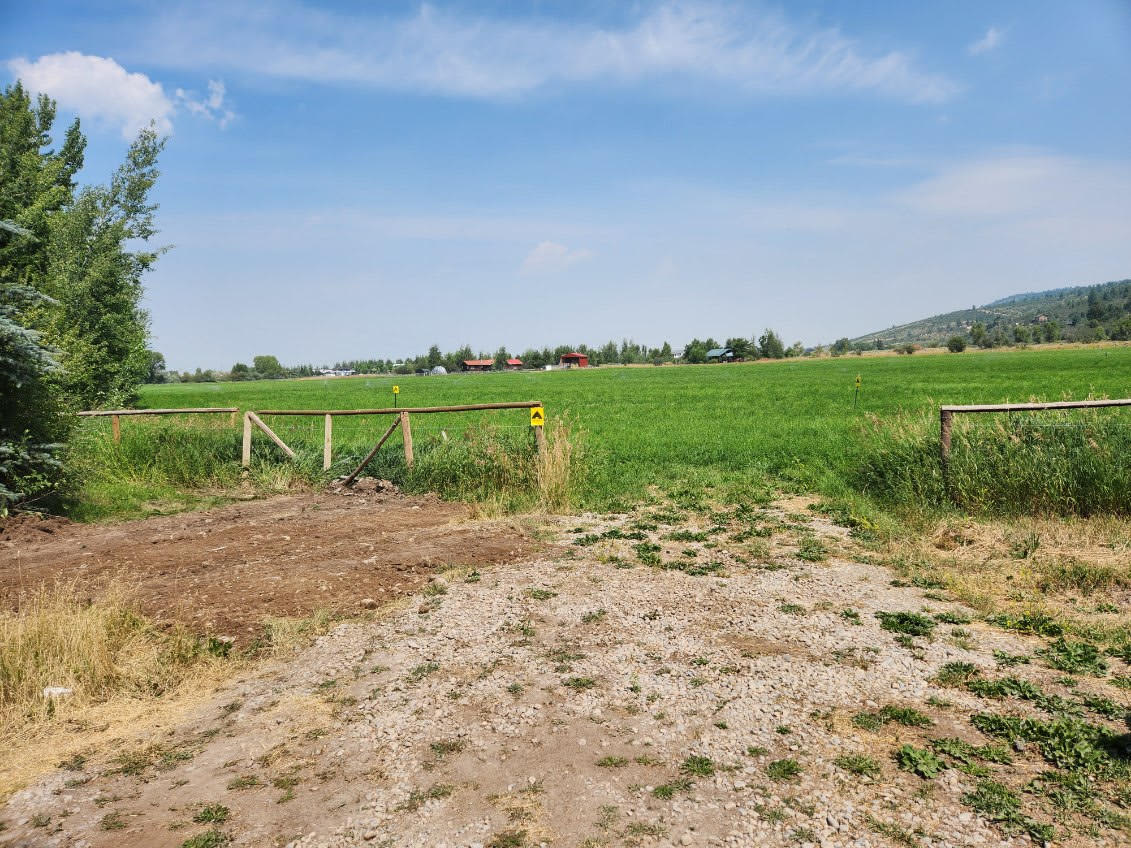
x: 514, y: 364
x: 477, y: 364
x: 574, y: 360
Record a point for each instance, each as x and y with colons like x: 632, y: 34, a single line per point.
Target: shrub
x: 956, y: 344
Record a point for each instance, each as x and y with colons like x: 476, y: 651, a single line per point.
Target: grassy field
x: 790, y: 421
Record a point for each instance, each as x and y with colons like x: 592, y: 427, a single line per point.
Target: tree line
x: 766, y: 346
x: 72, y: 331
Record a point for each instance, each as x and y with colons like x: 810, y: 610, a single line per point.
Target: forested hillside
x: 1080, y: 313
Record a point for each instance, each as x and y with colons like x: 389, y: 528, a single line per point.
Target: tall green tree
x: 36, y: 183
x: 267, y: 366
x: 770, y: 345
x: 96, y: 281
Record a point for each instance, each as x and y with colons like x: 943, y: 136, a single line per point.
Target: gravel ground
x: 580, y: 699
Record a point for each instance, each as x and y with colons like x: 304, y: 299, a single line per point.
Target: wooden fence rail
x: 402, y: 419
x: 947, y: 413
x: 116, y: 423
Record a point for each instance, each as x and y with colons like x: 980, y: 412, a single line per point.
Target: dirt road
x: 222, y: 570
x: 662, y: 680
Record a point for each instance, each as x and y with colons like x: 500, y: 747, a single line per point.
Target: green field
x: 787, y: 421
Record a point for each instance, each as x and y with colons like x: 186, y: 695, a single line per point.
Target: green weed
x: 908, y: 623
x: 783, y: 770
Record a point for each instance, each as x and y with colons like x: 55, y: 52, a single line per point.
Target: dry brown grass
x: 95, y: 647
x: 124, y: 672
x: 556, y: 469
x: 1077, y: 569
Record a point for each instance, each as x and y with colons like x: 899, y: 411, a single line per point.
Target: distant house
x: 477, y: 364
x: 721, y: 354
x: 1042, y: 319
x: 514, y: 364
x: 574, y: 360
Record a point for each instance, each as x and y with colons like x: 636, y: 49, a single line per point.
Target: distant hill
x: 1077, y: 313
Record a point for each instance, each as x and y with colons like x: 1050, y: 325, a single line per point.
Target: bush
x: 956, y: 344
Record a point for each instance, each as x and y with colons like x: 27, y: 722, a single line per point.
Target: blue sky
x: 358, y: 179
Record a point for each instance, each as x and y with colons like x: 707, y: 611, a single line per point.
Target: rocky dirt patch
x: 668, y: 679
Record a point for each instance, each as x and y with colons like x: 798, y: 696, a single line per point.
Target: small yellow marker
x: 856, y: 394
x: 397, y: 389
x: 537, y: 416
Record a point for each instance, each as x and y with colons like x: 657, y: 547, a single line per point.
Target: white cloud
x: 986, y: 43
x: 213, y: 107
x: 98, y: 89
x: 453, y: 53
x: 549, y: 257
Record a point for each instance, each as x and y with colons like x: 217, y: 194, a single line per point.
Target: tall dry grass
x: 97, y: 648
x: 124, y: 673
x: 557, y: 469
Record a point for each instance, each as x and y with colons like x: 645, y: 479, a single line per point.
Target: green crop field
x: 785, y: 421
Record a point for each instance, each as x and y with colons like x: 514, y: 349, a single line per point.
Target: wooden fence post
x: 258, y: 422
x: 116, y: 426
x: 328, y: 442
x: 540, y: 438
x: 946, y: 421
x: 406, y: 434
x: 349, y: 480
x: 245, y: 458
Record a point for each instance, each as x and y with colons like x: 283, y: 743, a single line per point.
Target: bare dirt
x: 221, y: 571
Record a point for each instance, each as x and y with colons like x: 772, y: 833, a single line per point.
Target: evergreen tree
x: 31, y: 421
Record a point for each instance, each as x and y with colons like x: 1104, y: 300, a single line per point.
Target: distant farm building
x: 514, y: 364
x: 721, y: 354
x: 574, y: 360
x: 438, y: 371
x: 477, y: 364
x: 336, y: 372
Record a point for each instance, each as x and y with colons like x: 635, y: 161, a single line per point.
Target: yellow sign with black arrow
x: 537, y: 416
x: 396, y: 390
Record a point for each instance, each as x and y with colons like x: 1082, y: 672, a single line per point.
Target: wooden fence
x: 401, y: 418
x: 116, y: 423
x: 947, y: 413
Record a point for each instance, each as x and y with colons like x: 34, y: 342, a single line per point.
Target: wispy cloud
x: 986, y: 43
x: 454, y: 53
x: 213, y: 107
x: 550, y: 257
x: 98, y: 89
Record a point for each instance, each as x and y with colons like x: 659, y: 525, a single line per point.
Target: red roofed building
x: 574, y: 360
x: 514, y: 364
x: 477, y: 364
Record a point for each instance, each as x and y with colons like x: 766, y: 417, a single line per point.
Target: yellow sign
x: 537, y: 416
x: 858, y: 381
x: 396, y: 390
